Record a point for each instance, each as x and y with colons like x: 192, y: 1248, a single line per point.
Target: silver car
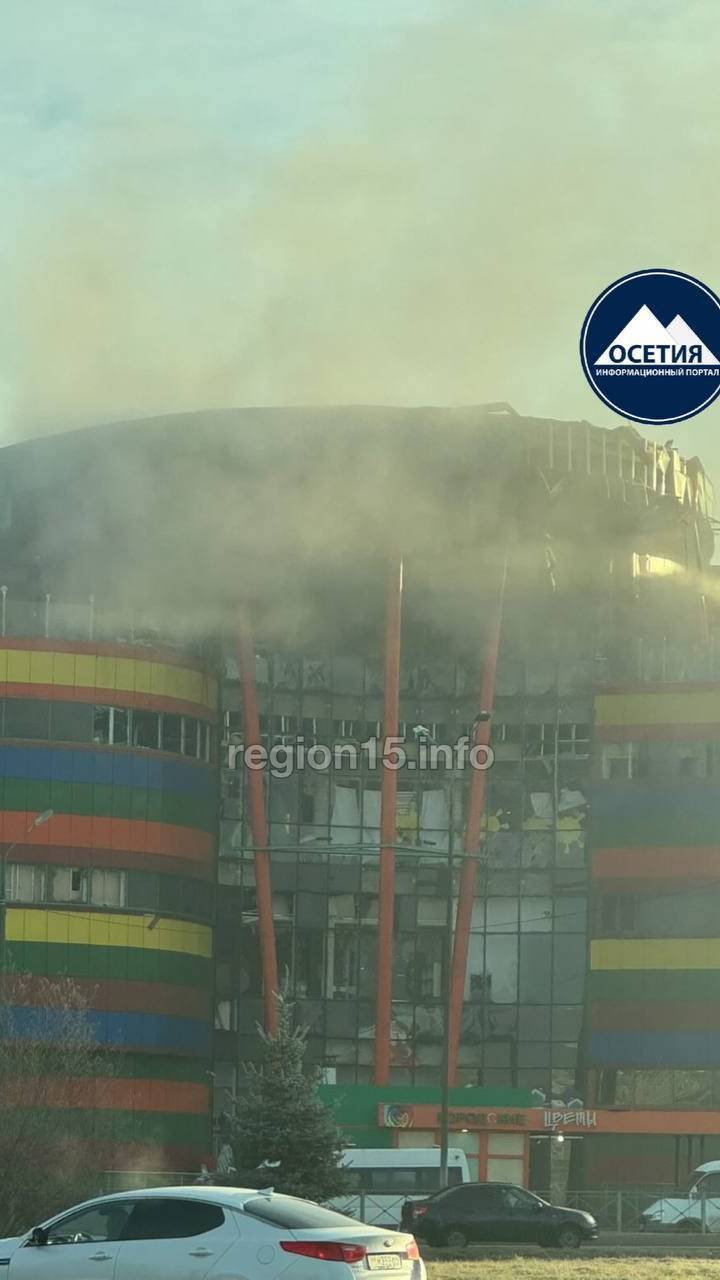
x: 190, y: 1233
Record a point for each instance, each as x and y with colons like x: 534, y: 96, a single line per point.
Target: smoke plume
x: 492, y: 172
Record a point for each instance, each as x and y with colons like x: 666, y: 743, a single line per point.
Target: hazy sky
x: 408, y: 201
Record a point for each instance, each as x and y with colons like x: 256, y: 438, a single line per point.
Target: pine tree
x: 279, y: 1121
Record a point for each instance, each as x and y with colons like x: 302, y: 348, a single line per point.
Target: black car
x: 496, y: 1212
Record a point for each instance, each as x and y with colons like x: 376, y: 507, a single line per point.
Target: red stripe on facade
x: 654, y: 1015
x: 111, y: 995
x: 700, y: 862
x: 90, y: 832
x: 103, y: 1093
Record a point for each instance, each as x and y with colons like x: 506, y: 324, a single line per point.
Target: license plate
x: 385, y: 1262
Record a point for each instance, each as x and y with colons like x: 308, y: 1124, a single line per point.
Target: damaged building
x: 177, y: 589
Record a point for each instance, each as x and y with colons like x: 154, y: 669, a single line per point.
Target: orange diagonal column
x: 388, y: 826
x: 471, y: 840
x: 258, y: 825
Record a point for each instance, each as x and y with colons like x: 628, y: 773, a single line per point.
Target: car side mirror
x: 38, y: 1236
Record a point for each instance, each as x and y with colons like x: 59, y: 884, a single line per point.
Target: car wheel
x: 455, y: 1238
x: 689, y: 1225
x: 568, y: 1238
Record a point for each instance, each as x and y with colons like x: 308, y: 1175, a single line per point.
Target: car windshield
x: 518, y: 1197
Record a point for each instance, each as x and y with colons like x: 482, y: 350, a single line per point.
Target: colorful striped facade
x: 655, y: 958
x: 116, y: 889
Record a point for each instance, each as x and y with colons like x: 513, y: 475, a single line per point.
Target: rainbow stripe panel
x: 147, y: 972
x: 655, y: 1000
x: 48, y: 669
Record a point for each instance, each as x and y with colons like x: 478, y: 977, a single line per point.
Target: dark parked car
x: 498, y: 1212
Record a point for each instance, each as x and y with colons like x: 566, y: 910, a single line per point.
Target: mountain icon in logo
x: 658, y: 369
x: 644, y: 340
x: 681, y: 332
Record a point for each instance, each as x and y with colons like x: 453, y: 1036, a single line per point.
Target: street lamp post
x: 38, y: 821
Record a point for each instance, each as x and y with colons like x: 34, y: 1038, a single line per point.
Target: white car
x: 700, y: 1206
x: 222, y: 1233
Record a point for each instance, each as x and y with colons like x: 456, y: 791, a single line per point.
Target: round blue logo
x: 650, y: 346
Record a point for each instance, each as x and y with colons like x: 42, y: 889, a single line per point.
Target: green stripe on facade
x: 132, y: 1126
x: 77, y: 960
x: 157, y: 1066
x: 654, y: 984
x: 90, y: 799
x: 138, y: 1066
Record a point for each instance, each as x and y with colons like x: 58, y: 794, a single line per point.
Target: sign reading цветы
x: 650, y: 346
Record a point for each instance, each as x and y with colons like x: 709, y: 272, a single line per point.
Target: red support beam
x: 388, y: 826
x: 258, y: 826
x: 471, y: 840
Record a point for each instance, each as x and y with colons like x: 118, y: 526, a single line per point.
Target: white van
x: 686, y: 1213
x: 381, y: 1179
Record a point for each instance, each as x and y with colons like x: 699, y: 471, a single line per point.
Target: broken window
x: 25, y: 883
x: 540, y: 739
x: 67, y: 884
x: 284, y: 729
x: 347, y: 729
x: 190, y: 737
x: 315, y: 674
x: 108, y: 888
x: 574, y: 739
x: 111, y: 725
x: 693, y: 759
x: 502, y: 731
x: 101, y: 724
x: 171, y: 726
x: 622, y: 760
x: 146, y: 729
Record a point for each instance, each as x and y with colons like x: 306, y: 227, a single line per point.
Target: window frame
x: 158, y: 1203
x: 84, y: 1212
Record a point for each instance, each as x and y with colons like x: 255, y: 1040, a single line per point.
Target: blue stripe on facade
x: 655, y: 1049
x: 109, y: 768
x: 150, y: 1031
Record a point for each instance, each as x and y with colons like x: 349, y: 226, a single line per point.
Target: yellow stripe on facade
x: 655, y: 953
x: 658, y: 708
x: 108, y: 929
x: 100, y: 671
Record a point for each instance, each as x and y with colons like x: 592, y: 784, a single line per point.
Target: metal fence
x: 662, y: 1209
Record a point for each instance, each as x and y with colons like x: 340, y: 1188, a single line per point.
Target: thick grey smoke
x: 493, y: 171
x: 498, y: 169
